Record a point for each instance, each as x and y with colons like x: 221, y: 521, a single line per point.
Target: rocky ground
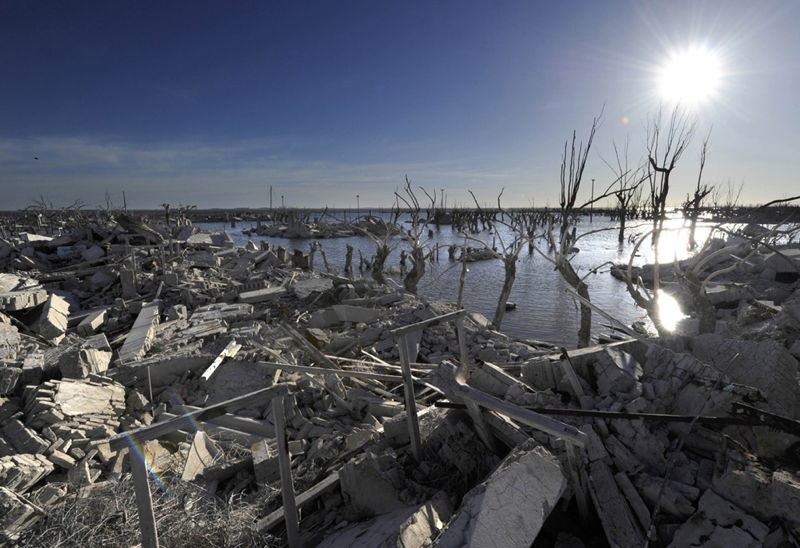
x: 109, y: 325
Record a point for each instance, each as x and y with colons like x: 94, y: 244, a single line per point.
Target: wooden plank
x: 276, y: 517
x: 259, y: 428
x: 140, y: 435
x: 327, y: 371
x: 144, y: 504
x: 400, y: 331
x: 285, y: 466
x: 229, y: 351
x: 457, y: 390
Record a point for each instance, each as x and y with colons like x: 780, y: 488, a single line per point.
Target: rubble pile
x: 127, y: 345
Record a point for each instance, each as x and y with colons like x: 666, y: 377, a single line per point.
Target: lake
x: 545, y: 310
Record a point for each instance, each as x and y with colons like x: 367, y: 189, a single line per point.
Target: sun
x: 690, y: 76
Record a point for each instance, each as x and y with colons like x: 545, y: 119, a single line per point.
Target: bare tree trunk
x: 622, y: 215
x: 417, y: 269
x: 692, y: 227
x: 510, y: 266
x: 348, y: 260
x: 572, y: 278
x: 381, y: 255
x: 463, y: 278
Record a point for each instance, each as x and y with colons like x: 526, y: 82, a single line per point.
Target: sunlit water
x: 545, y: 310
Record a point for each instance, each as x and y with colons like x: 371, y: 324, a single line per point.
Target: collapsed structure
x: 158, y: 382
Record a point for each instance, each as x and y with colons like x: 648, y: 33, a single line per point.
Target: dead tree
x: 381, y: 236
x: 415, y: 234
x: 509, y: 251
x: 664, y: 149
x: 573, y: 164
x: 629, y: 186
x: 693, y: 206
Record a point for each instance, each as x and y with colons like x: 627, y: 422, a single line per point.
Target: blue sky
x: 209, y: 103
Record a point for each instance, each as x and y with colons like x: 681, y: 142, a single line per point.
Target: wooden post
x: 285, y: 465
x: 463, y: 354
x: 144, y: 504
x: 410, y: 399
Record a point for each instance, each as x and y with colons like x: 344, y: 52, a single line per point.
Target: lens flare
x: 690, y: 76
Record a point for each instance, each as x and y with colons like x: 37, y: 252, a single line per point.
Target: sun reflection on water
x: 669, y: 311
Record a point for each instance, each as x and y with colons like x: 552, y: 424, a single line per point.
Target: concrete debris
x: 16, y: 513
x: 114, y: 323
x: 509, y: 508
x: 409, y: 527
x: 52, y: 322
x: 719, y: 523
x: 140, y: 337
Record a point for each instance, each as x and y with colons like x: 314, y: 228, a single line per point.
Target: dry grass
x: 185, y: 517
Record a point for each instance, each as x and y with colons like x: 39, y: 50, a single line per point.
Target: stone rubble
x: 108, y: 325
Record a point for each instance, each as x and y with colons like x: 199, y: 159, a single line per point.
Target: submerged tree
x: 664, y: 149
x: 629, y: 186
x: 694, y: 205
x: 510, y: 247
x: 573, y: 164
x: 414, y: 236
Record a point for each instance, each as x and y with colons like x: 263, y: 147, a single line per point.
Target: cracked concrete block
x: 16, y: 513
x: 91, y: 323
x: 266, y: 294
x: 409, y: 527
x: 717, y: 522
x: 12, y: 301
x: 508, y: 509
x: 52, y: 323
x: 616, y: 372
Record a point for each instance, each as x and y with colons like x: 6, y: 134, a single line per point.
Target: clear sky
x: 209, y: 103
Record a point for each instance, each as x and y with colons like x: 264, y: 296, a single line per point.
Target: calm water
x: 545, y: 311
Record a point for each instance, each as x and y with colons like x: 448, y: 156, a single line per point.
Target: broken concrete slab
x: 21, y: 472
x: 92, y: 322
x: 356, y: 314
x: 202, y: 454
x: 303, y: 289
x: 718, y: 522
x: 52, y: 322
x: 16, y: 513
x: 267, y: 294
x: 13, y: 301
x: 409, y: 527
x: 616, y: 372
x: 509, y: 508
x: 140, y: 337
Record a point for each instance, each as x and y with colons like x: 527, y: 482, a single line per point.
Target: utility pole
x: 270, y: 197
x: 591, y: 207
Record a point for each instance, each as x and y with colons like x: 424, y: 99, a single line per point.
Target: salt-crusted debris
x: 130, y: 347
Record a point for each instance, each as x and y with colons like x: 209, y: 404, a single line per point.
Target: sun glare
x: 690, y: 76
